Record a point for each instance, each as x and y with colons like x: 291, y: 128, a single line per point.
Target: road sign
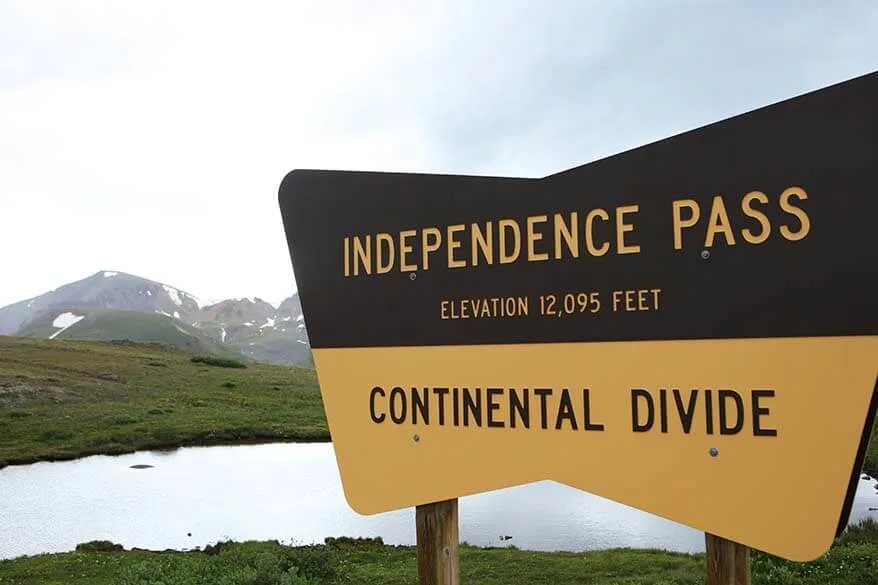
x: 688, y: 328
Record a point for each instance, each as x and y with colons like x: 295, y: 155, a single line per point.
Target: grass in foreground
x: 853, y: 560
x: 61, y: 399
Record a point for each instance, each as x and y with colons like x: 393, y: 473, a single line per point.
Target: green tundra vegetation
x: 853, y: 560
x: 61, y: 399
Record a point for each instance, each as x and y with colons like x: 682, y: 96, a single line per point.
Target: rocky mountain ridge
x: 250, y: 326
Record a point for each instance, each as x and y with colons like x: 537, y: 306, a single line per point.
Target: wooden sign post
x: 728, y: 563
x: 701, y: 308
x: 438, y: 543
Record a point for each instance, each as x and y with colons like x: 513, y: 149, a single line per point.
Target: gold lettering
x: 589, y: 234
x: 570, y: 235
x: 533, y: 237
x: 379, y: 267
x: 347, y: 260
x: 636, y: 300
x: 746, y: 207
x: 622, y: 227
x: 679, y: 223
x: 628, y: 300
x: 405, y: 249
x: 641, y: 294
x: 482, y: 242
x: 504, y: 257
x: 443, y: 309
x: 718, y: 222
x: 362, y: 255
x: 486, y: 309
x: 798, y: 212
x: 454, y: 244
x: 427, y: 247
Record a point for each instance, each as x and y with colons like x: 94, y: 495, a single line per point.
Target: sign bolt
x: 714, y: 451
x: 416, y: 437
x: 705, y: 254
x: 412, y: 276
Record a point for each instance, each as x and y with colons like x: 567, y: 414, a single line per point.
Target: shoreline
x: 869, y: 468
x: 168, y: 447
x: 850, y: 561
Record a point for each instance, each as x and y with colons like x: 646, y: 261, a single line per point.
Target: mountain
x: 103, y: 290
x: 114, y: 305
x: 109, y: 324
x: 257, y: 329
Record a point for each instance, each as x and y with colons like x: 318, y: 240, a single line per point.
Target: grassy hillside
x: 109, y: 324
x: 118, y: 396
x: 63, y: 398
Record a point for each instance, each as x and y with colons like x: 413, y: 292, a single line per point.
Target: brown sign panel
x: 697, y: 314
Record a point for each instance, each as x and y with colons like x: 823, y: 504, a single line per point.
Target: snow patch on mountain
x: 174, y: 294
x: 269, y: 323
x: 65, y: 321
x: 223, y: 331
x: 176, y: 315
x: 300, y: 318
x: 110, y: 274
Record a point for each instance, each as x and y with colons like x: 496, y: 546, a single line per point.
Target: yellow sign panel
x: 632, y: 421
x: 697, y: 314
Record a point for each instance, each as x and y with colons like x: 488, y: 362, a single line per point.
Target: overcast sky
x: 151, y: 137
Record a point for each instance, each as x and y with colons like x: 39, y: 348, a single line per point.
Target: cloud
x: 152, y: 139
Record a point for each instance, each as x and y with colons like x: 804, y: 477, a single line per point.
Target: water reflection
x: 292, y: 493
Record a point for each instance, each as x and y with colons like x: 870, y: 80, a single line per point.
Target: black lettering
x: 635, y: 414
x: 663, y: 409
x: 543, y: 393
x: 441, y: 392
x: 523, y: 408
x: 725, y: 429
x: 472, y: 406
x: 492, y: 406
x: 398, y: 419
x: 419, y: 405
x: 375, y: 417
x: 455, y: 400
x: 759, y: 411
x: 686, y: 414
x: 565, y: 411
x: 586, y: 407
x: 708, y: 405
